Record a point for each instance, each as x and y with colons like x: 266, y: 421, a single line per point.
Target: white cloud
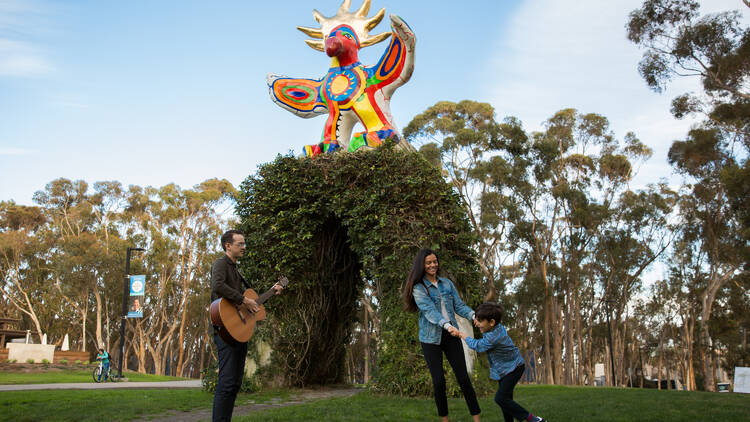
x: 15, y: 151
x: 574, y: 53
x: 20, y: 59
x: 18, y: 55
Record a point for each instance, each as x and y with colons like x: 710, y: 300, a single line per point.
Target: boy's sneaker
x: 537, y: 419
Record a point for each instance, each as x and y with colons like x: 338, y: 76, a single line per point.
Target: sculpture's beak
x: 333, y: 46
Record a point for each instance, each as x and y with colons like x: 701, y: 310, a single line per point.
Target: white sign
x: 741, y: 379
x: 599, y: 370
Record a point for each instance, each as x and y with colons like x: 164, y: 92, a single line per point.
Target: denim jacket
x: 502, y: 354
x: 431, y: 320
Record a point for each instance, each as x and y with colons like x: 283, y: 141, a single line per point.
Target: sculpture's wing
x: 299, y: 96
x: 397, y: 63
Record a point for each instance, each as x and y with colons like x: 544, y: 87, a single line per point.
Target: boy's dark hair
x: 488, y: 311
x: 228, y: 237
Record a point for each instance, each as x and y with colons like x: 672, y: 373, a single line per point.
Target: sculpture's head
x: 342, y: 35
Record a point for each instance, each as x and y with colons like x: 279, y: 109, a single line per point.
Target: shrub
x: 29, y: 360
x: 77, y: 362
x: 64, y: 361
x: 86, y: 363
x: 45, y: 361
x: 336, y: 222
x: 210, y: 377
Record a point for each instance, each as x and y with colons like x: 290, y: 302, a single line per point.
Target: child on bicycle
x: 506, y: 363
x: 104, y: 357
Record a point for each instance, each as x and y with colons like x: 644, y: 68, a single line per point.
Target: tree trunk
x: 181, y: 336
x: 366, y: 344
x: 557, y: 336
x: 99, y: 339
x: 661, y: 356
x: 549, y: 379
x: 568, y: 334
x: 84, y: 313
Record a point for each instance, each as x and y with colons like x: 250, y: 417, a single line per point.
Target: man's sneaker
x: 538, y: 419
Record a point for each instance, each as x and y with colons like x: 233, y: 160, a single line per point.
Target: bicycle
x: 110, y: 375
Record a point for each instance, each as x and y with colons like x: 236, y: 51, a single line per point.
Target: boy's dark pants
x: 454, y: 351
x: 504, y: 396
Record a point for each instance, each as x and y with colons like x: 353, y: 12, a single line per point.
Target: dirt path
x: 205, y: 414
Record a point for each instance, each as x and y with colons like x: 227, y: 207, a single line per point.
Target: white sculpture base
x: 22, y: 352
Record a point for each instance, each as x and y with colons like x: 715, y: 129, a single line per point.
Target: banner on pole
x: 137, y: 294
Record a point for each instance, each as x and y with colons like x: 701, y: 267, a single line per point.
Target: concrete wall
x: 22, y: 352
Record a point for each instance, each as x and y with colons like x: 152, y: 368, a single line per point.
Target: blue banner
x: 137, y: 296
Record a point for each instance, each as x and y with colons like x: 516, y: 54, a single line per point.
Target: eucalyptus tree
x: 21, y: 264
x: 630, y: 242
x: 541, y: 200
x: 663, y: 310
x: 713, y: 48
x: 569, y: 186
x: 179, y: 229
x: 82, y: 263
x: 461, y: 139
x: 710, y: 233
x: 729, y: 324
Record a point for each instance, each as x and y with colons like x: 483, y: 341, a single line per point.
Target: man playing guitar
x: 227, y: 283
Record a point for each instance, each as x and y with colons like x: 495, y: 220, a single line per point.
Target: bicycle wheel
x: 113, y: 374
x: 97, y: 374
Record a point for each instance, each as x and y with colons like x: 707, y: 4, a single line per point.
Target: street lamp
x: 609, y: 331
x: 125, y: 297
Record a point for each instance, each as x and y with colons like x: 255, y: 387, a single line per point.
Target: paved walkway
x: 101, y: 386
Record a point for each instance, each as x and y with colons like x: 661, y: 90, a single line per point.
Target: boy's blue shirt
x: 431, y: 320
x: 502, y: 354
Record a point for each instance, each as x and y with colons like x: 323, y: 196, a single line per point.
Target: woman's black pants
x: 454, y: 351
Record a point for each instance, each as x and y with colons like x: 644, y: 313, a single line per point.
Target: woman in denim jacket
x: 437, y: 301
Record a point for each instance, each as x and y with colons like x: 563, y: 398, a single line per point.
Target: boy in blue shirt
x: 506, y: 363
x: 104, y: 357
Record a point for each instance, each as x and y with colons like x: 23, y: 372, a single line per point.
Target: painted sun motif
x: 350, y: 93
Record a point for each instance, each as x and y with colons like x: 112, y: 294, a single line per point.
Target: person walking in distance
x: 227, y: 283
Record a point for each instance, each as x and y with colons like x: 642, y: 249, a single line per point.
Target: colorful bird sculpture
x: 350, y: 92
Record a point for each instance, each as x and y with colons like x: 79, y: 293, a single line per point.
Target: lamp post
x: 609, y: 332
x: 125, y: 297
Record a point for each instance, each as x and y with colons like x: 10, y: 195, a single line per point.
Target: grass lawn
x: 556, y: 403
x: 111, y: 405
x: 70, y: 375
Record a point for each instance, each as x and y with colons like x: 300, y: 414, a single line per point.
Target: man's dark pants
x: 231, y: 369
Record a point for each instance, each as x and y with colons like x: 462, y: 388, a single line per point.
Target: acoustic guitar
x: 236, y: 322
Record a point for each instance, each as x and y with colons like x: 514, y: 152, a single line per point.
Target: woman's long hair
x: 415, y: 276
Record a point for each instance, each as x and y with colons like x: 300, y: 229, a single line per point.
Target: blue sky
x: 155, y: 92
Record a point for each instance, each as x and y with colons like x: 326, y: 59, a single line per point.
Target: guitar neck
x: 264, y: 297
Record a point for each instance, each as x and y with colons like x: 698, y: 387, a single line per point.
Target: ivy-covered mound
x: 332, y: 222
